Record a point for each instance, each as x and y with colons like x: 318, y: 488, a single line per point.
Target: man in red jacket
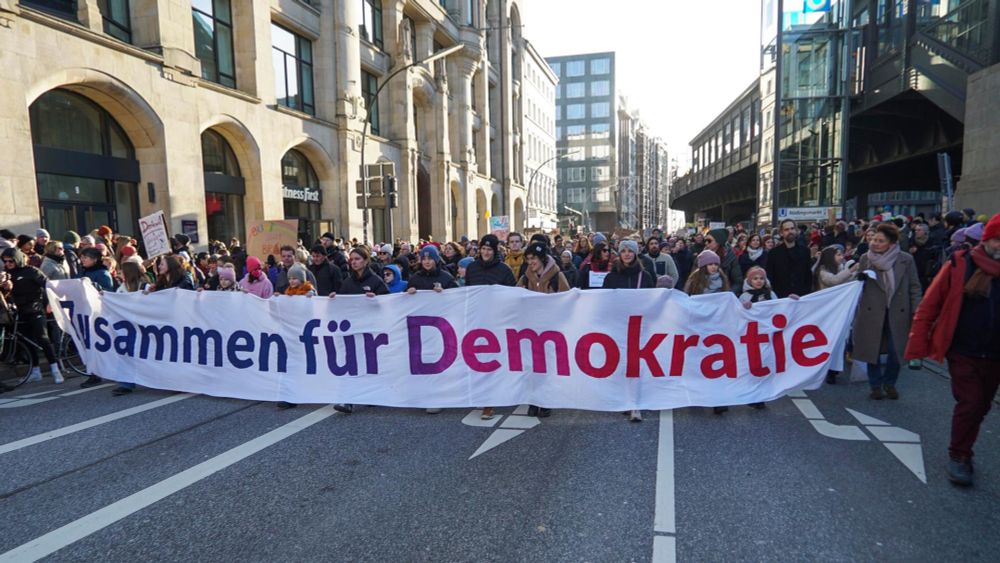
x: 959, y: 318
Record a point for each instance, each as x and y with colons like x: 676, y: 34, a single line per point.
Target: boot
x: 35, y: 375
x: 876, y: 394
x: 831, y: 377
x: 635, y: 416
x: 890, y: 391
x: 960, y: 472
x: 487, y: 414
x: 719, y: 410
x: 92, y: 381
x: 345, y: 408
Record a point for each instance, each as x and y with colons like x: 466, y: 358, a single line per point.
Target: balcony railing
x: 968, y: 29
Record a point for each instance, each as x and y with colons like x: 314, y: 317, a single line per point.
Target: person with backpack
x: 959, y: 319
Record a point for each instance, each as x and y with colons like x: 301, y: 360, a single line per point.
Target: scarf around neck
x: 714, y: 283
x: 884, y: 264
x: 755, y: 253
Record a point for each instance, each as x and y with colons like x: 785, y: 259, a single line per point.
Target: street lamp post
x: 531, y: 180
x: 364, y: 130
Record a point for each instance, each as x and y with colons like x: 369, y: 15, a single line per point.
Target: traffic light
x: 391, y: 191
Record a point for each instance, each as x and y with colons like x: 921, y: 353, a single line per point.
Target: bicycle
x: 15, y: 351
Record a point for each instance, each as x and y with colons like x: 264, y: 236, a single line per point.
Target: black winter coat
x: 493, y: 272
x: 328, y: 278
x: 790, y: 270
x: 353, y: 286
x: 629, y: 277
x: 423, y: 280
x: 28, y: 293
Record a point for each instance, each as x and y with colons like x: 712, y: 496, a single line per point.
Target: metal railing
x: 968, y: 29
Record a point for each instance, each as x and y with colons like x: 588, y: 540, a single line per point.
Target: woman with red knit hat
x: 256, y: 282
x: 959, y: 319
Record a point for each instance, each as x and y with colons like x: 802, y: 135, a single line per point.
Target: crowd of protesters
x: 931, y: 284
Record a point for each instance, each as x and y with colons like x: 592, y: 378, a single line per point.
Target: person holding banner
x: 430, y: 275
x: 595, y: 268
x: 885, y: 311
x: 170, y: 274
x: 25, y: 288
x: 360, y: 281
x: 255, y: 281
x: 627, y: 272
x: 487, y: 269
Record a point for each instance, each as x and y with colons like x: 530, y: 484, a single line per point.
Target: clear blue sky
x: 680, y: 62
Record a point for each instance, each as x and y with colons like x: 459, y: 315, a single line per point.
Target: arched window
x: 85, y: 166
x: 224, y: 188
x: 303, y: 198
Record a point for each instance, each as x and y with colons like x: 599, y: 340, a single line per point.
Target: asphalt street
x: 158, y: 476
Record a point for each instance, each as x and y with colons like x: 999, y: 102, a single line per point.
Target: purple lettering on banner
x: 413, y: 330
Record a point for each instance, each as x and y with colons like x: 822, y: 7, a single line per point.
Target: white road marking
x: 912, y: 456
x: 66, y: 430
x: 94, y: 388
x: 894, y: 434
x: 27, y: 401
x: 664, y: 549
x: 473, y: 419
x: 664, y: 518
x: 865, y: 419
x: 808, y: 409
x: 499, y: 436
x: 55, y: 540
x: 838, y: 432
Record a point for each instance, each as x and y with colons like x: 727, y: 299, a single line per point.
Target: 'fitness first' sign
x: 301, y: 193
x: 601, y: 349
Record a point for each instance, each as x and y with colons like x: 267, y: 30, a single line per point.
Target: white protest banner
x: 153, y: 228
x: 601, y: 349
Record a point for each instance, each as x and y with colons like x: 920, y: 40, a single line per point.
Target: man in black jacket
x: 26, y: 287
x: 328, y: 275
x: 488, y: 269
x: 430, y: 276
x: 287, y: 261
x: 789, y: 265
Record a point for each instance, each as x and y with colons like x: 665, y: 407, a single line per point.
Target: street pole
x: 531, y: 180
x: 364, y: 130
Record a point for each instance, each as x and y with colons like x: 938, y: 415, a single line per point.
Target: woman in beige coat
x: 882, y: 321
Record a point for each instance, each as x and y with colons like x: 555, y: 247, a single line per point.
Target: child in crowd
x: 708, y: 278
x: 298, y: 283
x: 756, y: 287
x: 393, y: 279
x: 226, y: 276
x: 463, y: 264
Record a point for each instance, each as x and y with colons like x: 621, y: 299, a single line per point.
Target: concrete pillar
x: 463, y: 69
x: 349, y: 115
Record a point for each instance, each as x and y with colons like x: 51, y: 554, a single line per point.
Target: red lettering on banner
x: 681, y: 345
x: 471, y: 350
x: 636, y: 353
x: 778, y: 342
x: 727, y: 356
x: 611, y: 354
x: 538, y: 363
x: 753, y: 339
x: 800, y: 345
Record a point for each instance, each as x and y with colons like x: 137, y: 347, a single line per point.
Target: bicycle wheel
x: 18, y: 363
x: 69, y: 357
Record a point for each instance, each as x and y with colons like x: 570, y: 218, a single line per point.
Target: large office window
x: 293, y: 75
x: 600, y: 172
x: 556, y: 68
x: 576, y: 111
x: 600, y: 109
x: 600, y: 88
x: 576, y: 174
x: 575, y: 68
x: 600, y: 131
x: 576, y: 195
x: 369, y: 84
x: 576, y: 132
x: 576, y: 90
x: 213, y: 40
x: 116, y: 19
x: 600, y: 66
x: 371, y: 22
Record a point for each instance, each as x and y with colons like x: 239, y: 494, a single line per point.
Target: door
x: 83, y: 218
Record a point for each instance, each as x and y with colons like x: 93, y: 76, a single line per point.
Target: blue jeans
x: 885, y: 374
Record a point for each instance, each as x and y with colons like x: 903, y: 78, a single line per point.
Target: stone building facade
x: 539, y: 127
x: 222, y: 113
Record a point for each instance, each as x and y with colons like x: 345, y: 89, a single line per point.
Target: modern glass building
x: 804, y: 79
x: 586, y: 115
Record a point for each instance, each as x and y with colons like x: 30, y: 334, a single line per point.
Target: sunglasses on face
x: 8, y: 261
